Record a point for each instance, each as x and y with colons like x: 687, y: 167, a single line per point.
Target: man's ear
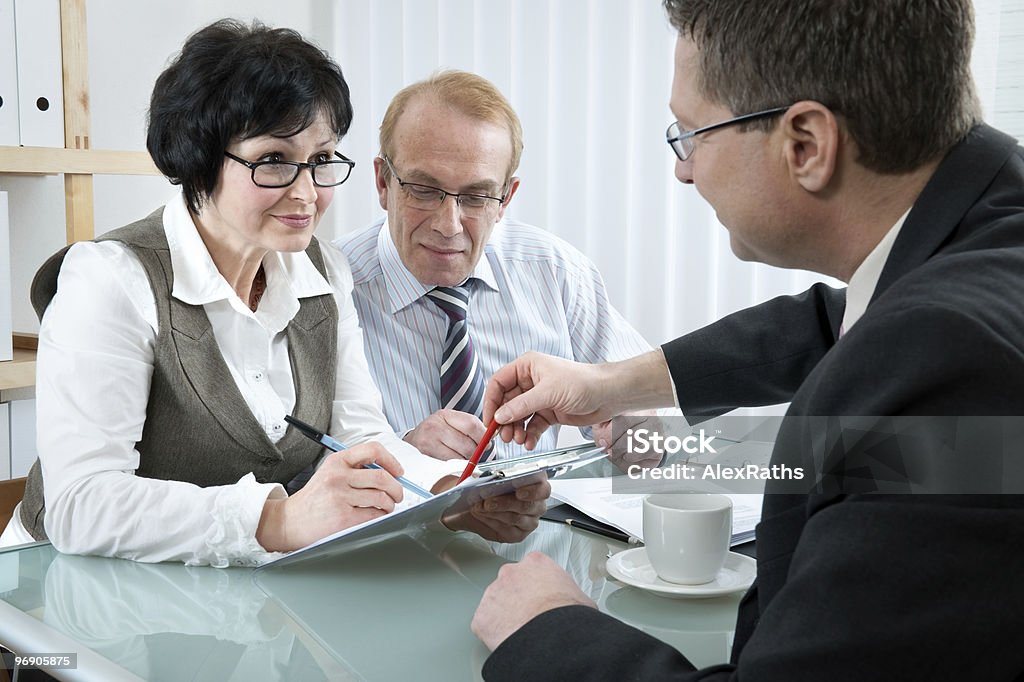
x: 380, y: 180
x: 513, y: 185
x: 811, y: 144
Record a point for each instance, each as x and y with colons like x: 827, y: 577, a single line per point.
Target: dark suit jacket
x: 860, y: 587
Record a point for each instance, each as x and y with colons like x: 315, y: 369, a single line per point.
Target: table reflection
x: 172, y: 622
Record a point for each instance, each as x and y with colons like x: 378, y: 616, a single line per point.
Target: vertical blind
x: 590, y: 80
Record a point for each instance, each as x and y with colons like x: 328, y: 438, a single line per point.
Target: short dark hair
x: 896, y: 72
x: 233, y: 82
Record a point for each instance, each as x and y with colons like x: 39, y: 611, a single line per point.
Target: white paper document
x: 594, y: 497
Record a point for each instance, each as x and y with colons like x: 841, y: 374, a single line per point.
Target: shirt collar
x: 402, y: 286
x: 290, y: 276
x: 865, y: 278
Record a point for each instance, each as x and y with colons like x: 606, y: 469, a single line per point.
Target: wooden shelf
x: 77, y: 162
x: 52, y: 160
x: 18, y: 376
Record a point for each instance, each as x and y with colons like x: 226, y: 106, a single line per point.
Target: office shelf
x: 18, y: 376
x: 76, y: 161
x: 54, y: 160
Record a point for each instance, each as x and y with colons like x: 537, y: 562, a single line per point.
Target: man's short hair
x: 232, y: 82
x: 464, y: 92
x: 896, y: 72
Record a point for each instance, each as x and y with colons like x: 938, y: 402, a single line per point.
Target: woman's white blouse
x: 95, y: 362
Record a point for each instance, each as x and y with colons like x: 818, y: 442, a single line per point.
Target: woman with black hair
x: 171, y: 349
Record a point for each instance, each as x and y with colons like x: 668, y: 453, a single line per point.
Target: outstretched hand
x: 536, y: 391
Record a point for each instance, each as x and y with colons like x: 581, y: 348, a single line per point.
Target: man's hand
x: 503, y: 518
x: 447, y: 434
x: 522, y: 592
x: 547, y: 390
x: 617, y: 447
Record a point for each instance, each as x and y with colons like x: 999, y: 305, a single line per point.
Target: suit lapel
x: 956, y: 186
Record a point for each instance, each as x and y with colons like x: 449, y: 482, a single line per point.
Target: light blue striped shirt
x: 535, y: 292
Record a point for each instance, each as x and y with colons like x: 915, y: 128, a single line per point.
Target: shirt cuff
x: 675, y: 394
x: 231, y: 539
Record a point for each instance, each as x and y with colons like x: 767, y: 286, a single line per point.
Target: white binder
x: 5, y: 442
x: 40, y: 82
x: 9, y: 135
x: 6, y: 351
x: 23, y: 436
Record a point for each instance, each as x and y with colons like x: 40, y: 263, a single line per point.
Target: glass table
x: 400, y: 609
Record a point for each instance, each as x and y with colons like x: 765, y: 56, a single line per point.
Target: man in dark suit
x: 865, y: 159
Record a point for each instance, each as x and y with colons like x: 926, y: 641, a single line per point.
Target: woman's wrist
x: 270, y: 530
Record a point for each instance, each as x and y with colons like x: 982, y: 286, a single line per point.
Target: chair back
x: 11, y: 493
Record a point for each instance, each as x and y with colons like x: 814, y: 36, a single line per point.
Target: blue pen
x: 337, y: 446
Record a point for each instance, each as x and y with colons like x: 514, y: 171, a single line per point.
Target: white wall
x: 998, y: 63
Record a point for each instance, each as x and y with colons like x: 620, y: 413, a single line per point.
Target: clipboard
x: 496, y: 478
x: 573, y: 456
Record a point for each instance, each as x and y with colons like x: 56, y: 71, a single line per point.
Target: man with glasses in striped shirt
x: 447, y: 288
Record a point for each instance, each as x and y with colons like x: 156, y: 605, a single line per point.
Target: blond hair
x: 464, y: 92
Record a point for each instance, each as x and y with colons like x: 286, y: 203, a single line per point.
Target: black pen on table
x: 337, y: 446
x: 612, y: 533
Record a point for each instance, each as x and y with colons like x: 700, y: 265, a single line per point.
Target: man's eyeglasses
x: 283, y: 173
x: 683, y: 143
x: 428, y: 198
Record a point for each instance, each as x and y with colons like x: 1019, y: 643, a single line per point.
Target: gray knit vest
x: 198, y: 427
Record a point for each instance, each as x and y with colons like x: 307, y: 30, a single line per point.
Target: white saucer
x: 634, y: 568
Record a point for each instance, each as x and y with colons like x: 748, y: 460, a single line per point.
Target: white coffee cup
x: 687, y: 535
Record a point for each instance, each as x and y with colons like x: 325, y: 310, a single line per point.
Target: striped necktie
x: 462, y: 381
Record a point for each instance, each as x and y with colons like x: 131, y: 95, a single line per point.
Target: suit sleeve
x: 580, y: 643
x: 757, y: 356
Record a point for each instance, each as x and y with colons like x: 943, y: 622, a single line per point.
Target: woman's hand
x: 340, y: 494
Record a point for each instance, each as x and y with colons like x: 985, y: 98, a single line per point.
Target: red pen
x: 475, y: 459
